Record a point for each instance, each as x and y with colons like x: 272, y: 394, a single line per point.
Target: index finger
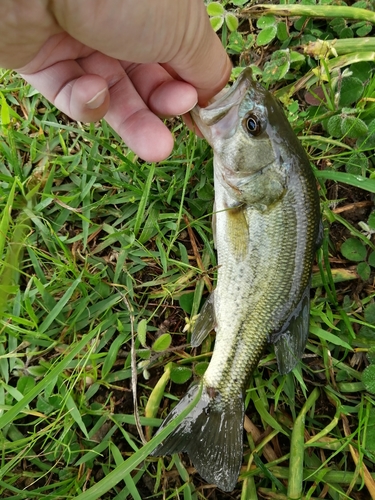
x: 176, y: 33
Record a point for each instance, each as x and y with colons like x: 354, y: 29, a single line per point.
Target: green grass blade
x: 139, y: 219
x: 353, y: 180
x: 52, y: 315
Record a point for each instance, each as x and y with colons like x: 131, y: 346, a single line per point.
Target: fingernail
x: 193, y: 106
x: 97, y: 100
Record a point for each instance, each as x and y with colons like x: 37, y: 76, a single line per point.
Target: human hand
x: 128, y: 61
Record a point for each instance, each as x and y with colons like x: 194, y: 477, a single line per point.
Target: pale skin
x: 132, y: 62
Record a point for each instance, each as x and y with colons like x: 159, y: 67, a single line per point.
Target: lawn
x: 106, y: 260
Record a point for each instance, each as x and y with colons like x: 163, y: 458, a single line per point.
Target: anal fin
x: 290, y: 342
x: 205, y: 322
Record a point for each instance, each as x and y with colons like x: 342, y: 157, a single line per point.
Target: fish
x: 266, y: 228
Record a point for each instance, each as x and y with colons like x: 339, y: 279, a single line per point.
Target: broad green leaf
x: 266, y: 21
x: 334, y: 126
x: 277, y: 67
x: 296, y: 59
x: 206, y: 192
x: 235, y: 44
x: 364, y: 30
x: 371, y: 259
x: 350, y: 91
x: 371, y: 221
x: 5, y: 111
x: 366, y: 337
x: 370, y: 313
x: 186, y: 301
x: 25, y: 384
x: 371, y: 355
x: 266, y: 35
x: 200, y: 368
x: 162, y: 343
x: 231, y: 21
x: 301, y: 22
x: 338, y: 24
x: 215, y: 9
x: 353, y: 249
x: 367, y: 141
x: 364, y: 271
x: 368, y: 378
x: 141, y: 332
x: 361, y: 4
x: 216, y: 22
x: 353, y: 127
x: 346, y: 33
x: 370, y: 434
x: 282, y: 31
x: 44, y: 406
x: 361, y: 70
x: 357, y: 163
x: 181, y: 374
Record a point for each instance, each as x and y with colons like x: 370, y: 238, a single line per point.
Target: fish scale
x: 266, y: 229
x: 257, y: 316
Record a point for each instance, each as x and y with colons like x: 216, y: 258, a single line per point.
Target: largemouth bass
x: 266, y: 230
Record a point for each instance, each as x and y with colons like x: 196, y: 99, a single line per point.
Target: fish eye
x: 252, y: 124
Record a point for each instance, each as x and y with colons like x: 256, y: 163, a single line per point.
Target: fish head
x: 251, y: 138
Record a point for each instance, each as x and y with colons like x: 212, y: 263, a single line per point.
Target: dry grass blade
x: 363, y: 470
x: 268, y: 452
x: 134, y: 371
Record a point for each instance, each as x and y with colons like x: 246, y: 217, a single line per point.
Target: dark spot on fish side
x: 236, y: 210
x: 211, y: 391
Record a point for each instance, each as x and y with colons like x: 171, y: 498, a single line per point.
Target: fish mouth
x: 226, y: 101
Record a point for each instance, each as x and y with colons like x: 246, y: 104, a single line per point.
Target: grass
x: 105, y: 260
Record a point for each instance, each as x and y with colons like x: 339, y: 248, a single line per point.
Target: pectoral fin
x: 290, y: 342
x: 205, y: 322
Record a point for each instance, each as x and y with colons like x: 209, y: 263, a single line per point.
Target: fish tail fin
x: 211, y: 434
